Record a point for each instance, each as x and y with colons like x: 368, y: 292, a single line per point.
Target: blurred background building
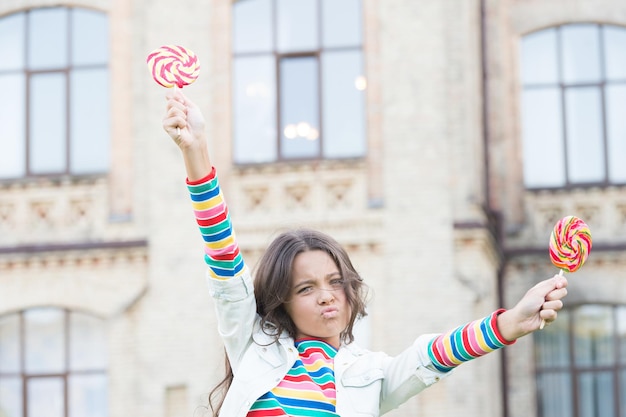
x: 438, y: 140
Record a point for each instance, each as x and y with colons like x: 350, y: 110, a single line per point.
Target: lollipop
x: 570, y: 244
x: 173, y: 65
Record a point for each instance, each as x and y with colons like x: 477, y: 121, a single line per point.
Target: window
x: 298, y: 89
x: 52, y: 363
x: 54, y: 70
x: 581, y: 363
x: 573, y: 96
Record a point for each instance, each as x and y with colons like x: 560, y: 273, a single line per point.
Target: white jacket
x: 367, y: 383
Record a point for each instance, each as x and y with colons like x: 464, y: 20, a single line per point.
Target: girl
x: 288, y: 335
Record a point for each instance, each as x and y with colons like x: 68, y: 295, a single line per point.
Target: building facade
x: 438, y: 140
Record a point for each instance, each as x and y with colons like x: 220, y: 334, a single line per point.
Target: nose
x: 325, y: 296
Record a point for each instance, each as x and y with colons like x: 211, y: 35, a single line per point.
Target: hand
x: 541, y: 302
x: 183, y: 121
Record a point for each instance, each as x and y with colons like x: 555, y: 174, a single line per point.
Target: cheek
x: 297, y: 311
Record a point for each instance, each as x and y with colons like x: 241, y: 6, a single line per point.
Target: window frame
x: 563, y: 87
x: 67, y: 71
x: 575, y: 370
x: 278, y: 56
x: 24, y: 375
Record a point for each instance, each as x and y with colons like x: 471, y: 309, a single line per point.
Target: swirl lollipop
x: 570, y: 244
x: 173, y: 66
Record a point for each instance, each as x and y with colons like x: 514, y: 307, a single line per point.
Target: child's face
x: 317, y: 303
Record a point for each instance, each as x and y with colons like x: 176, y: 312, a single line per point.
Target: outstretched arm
x: 500, y: 328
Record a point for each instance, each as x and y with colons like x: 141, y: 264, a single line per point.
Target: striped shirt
x: 308, y: 389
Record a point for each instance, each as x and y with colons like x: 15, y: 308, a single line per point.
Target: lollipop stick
x: 177, y: 128
x: 543, y: 322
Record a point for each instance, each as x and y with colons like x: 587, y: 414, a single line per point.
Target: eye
x: 337, y: 282
x: 305, y: 290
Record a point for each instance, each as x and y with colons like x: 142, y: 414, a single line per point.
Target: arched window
x: 54, y: 116
x: 298, y: 80
x: 581, y: 363
x: 52, y: 363
x: 573, y: 98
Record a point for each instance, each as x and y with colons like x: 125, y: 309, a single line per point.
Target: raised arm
x: 185, y: 124
x: 229, y: 279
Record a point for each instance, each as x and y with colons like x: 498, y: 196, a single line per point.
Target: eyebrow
x: 313, y: 280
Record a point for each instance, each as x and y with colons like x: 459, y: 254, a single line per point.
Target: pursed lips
x: 329, y: 312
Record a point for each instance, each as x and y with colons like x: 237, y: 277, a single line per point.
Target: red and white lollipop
x: 173, y: 66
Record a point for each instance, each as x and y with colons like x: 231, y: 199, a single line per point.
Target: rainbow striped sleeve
x: 220, y: 246
x: 465, y: 343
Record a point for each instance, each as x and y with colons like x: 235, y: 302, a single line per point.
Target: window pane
x: 342, y: 23
x: 539, y: 58
x: 554, y: 393
x: 254, y: 99
x: 12, y: 41
x: 44, y: 340
x: 614, y: 47
x: 90, y: 121
x: 542, y: 133
x: 252, y: 26
x: 552, y: 344
x: 88, y: 396
x: 87, y: 343
x: 45, y: 397
x: 47, y: 46
x: 10, y: 344
x: 90, y: 37
x: 11, y: 397
x: 621, y: 334
x: 299, y: 106
x: 593, y: 336
x: 585, y: 147
x: 343, y: 105
x: 595, y: 395
x: 297, y: 25
x: 616, y: 132
x: 13, y: 122
x: 581, y: 53
x: 48, y: 123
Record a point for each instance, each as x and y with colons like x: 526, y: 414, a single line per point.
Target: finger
x: 172, y: 124
x: 556, y: 294
x: 175, y: 94
x: 548, y: 315
x: 555, y: 305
